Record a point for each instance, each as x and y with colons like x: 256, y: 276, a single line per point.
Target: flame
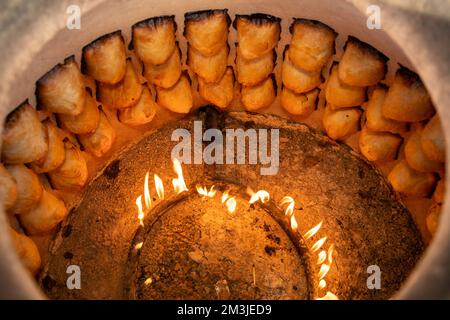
x: 178, y: 184
x: 138, y: 246
x: 147, y: 197
x: 322, y: 284
x: 291, y: 204
x: 324, y: 268
x: 294, y: 224
x: 322, y: 256
x: 159, y: 186
x: 312, y: 231
x: 261, y: 195
x: 148, y: 281
x: 318, y: 244
x: 328, y: 296
x: 225, y: 196
x: 231, y: 204
x: 204, y: 191
x: 140, y: 211
x: 330, y: 254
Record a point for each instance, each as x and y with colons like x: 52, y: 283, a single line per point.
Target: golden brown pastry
x: 143, y: 112
x: 153, y: 39
x: 341, y: 95
x: 407, y: 98
x: 375, y: 119
x: 73, y: 173
x: 410, y: 182
x: 221, y: 93
x: 341, y: 123
x: 433, y: 140
x: 257, y: 34
x: 299, y: 104
x: 55, y: 155
x: 379, y: 146
x: 49, y: 212
x: 8, y: 188
x: 101, y: 140
x: 416, y: 157
x: 167, y: 74
x: 312, y: 44
x: 259, y: 96
x: 211, y: 68
x: 433, y: 216
x: 61, y: 90
x: 207, y: 30
x: 29, y: 188
x: 86, y: 121
x: 177, y: 98
x: 124, y: 94
x: 439, y: 192
x: 27, y: 251
x: 104, y: 59
x: 361, y: 65
x: 296, y: 79
x: 252, y: 72
x: 24, y: 136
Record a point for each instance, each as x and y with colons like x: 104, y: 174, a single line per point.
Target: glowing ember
x: 312, y: 231
x: 328, y: 296
x: 178, y: 184
x: 321, y: 257
x: 231, y: 204
x: 140, y: 211
x: 205, y: 192
x: 319, y: 243
x: 138, y: 246
x: 261, y: 195
x: 159, y: 186
x: 147, y: 197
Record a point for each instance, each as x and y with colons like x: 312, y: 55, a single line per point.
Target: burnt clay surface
x: 361, y: 216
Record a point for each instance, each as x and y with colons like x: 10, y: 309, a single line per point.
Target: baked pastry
x: 416, y: 157
x: 101, y: 140
x: 341, y: 95
x: 143, y: 112
x: 341, y: 123
x: 433, y: 216
x: 410, y: 182
x: 55, y: 154
x: 299, y: 104
x: 8, y: 188
x: 407, y: 98
x: 433, y: 140
x: 27, y: 251
x: 260, y: 96
x: 252, y: 72
x: 177, y: 98
x: 167, y: 74
x: 221, y: 93
x: 29, y: 188
x: 104, y: 59
x: 210, y: 68
x: 379, y: 146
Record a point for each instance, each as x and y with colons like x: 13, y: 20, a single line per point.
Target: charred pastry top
x: 205, y: 14
x: 14, y: 115
x: 99, y: 42
x: 408, y: 76
x: 312, y: 23
x: 257, y: 19
x: 152, y: 23
x: 366, y: 48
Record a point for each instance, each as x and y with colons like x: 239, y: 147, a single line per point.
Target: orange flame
x: 178, y: 184
x: 322, y: 284
x: 138, y: 246
x: 328, y: 296
x: 140, y: 211
x: 147, y: 197
x: 148, y: 281
x: 312, y: 231
x: 205, y: 192
x: 291, y: 204
x: 324, y: 268
x: 322, y: 256
x: 225, y: 196
x: 159, y: 186
x: 261, y: 195
x: 318, y: 244
x: 330, y: 254
x: 294, y: 224
x: 231, y: 204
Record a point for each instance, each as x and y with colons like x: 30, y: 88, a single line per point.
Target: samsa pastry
x: 73, y: 173
x: 410, y: 182
x: 49, y: 212
x: 257, y: 34
x: 296, y: 79
x: 143, y: 112
x: 252, y: 72
x: 61, y: 90
x: 104, y: 59
x: 207, y: 30
x: 374, y: 116
x: 433, y: 140
x: 259, y: 96
x: 341, y: 123
x: 153, y: 39
x: 312, y: 44
x: 211, y: 68
x: 177, y: 98
x: 29, y: 188
x: 55, y: 154
x: 86, y: 121
x: 341, y: 95
x: 27, y: 251
x: 407, y: 99
x: 221, y: 93
x: 101, y: 140
x: 8, y: 188
x: 164, y: 75
x: 379, y: 146
x: 361, y: 65
x: 24, y: 136
x: 416, y: 157
x: 299, y: 104
x: 124, y: 94
x: 433, y: 216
